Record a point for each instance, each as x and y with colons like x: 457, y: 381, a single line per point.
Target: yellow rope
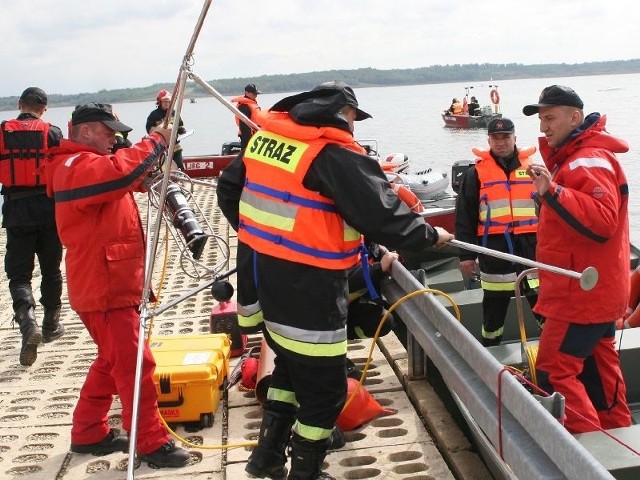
x: 381, y: 324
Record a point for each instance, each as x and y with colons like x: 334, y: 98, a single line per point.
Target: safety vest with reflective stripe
x: 278, y: 215
x: 22, y: 150
x: 506, y: 203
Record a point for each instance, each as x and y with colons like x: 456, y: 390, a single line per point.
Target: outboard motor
x: 457, y: 171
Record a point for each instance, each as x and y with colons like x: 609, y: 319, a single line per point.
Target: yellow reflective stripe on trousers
x: 492, y: 335
x: 310, y: 349
x: 311, y: 433
x: 282, y: 396
x: 250, y: 316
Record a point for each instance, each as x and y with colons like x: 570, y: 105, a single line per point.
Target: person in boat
x: 157, y: 117
x: 28, y: 216
x: 495, y: 209
x: 293, y: 259
x: 248, y: 105
x: 455, y: 108
x: 474, y: 107
x: 99, y: 224
x: 583, y: 194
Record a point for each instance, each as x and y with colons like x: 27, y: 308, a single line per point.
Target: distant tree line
x: 362, y: 77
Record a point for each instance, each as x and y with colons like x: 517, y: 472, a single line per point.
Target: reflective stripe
x: 505, y: 282
x: 311, y: 433
x: 590, y: 163
x: 307, y: 336
x: 498, y: 287
x: 266, y: 218
x: 250, y: 316
x: 492, y: 335
x: 282, y: 396
x: 359, y: 332
x: 309, y: 348
x: 298, y: 247
x: 350, y: 233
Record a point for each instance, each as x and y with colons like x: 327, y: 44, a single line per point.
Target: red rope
x: 518, y: 375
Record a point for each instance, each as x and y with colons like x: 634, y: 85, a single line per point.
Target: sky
x: 75, y: 46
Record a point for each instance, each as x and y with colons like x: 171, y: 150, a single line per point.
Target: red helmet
x: 163, y: 95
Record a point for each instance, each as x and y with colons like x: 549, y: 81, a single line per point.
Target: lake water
x: 407, y: 120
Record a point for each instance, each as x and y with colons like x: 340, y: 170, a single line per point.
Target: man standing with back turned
x: 583, y: 222
x: 495, y: 209
x: 300, y: 196
x: 28, y: 216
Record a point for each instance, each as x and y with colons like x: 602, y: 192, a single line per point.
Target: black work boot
x: 168, y: 455
x: 268, y: 459
x: 52, y: 329
x: 31, y: 334
x: 306, y: 459
x: 113, y: 442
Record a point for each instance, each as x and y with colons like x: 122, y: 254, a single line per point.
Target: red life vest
x: 506, y: 203
x: 22, y: 149
x: 278, y: 215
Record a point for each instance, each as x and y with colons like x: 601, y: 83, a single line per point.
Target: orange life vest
x: 252, y: 104
x: 506, y: 203
x: 22, y: 148
x: 278, y: 215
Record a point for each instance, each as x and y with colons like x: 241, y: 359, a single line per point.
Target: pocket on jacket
x: 125, y: 263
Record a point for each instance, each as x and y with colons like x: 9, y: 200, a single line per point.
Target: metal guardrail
x: 533, y: 449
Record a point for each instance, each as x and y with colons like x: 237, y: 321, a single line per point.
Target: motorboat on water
x: 480, y: 117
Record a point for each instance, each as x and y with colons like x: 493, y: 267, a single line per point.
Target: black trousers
x: 23, y: 245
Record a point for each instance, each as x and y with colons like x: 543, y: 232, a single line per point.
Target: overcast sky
x: 73, y: 46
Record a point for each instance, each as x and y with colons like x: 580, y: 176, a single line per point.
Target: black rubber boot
x: 52, y: 329
x: 307, y: 458
x: 268, y: 459
x: 31, y: 334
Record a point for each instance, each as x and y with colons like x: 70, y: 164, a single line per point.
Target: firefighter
x: 247, y: 104
x: 495, y: 209
x: 300, y: 196
x: 28, y: 216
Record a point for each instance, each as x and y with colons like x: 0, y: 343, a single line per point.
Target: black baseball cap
x: 330, y: 95
x: 98, y: 112
x: 34, y: 95
x: 554, y: 96
x: 251, y: 88
x: 500, y: 125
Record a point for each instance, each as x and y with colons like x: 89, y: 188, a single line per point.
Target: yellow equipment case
x: 190, y: 372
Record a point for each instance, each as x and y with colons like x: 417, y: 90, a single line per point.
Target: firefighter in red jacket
x: 28, y: 217
x: 99, y: 224
x: 300, y: 196
x: 248, y: 104
x: 583, y: 222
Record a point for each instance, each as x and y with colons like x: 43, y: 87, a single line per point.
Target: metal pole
x: 177, y: 99
x: 588, y: 278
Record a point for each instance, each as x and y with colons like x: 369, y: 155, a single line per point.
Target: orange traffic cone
x: 362, y: 408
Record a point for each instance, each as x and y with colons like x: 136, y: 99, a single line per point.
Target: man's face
x: 99, y: 136
x: 502, y: 144
x: 164, y: 104
x: 558, y: 122
x: 350, y: 115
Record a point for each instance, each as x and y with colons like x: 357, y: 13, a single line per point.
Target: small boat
x: 192, y: 100
x: 426, y: 185
x: 479, y: 118
x: 210, y: 166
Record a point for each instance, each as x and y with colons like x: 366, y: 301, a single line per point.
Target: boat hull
x: 206, y: 166
x: 468, y: 121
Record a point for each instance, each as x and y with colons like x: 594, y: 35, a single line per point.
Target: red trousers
x: 581, y: 363
x: 113, y: 373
